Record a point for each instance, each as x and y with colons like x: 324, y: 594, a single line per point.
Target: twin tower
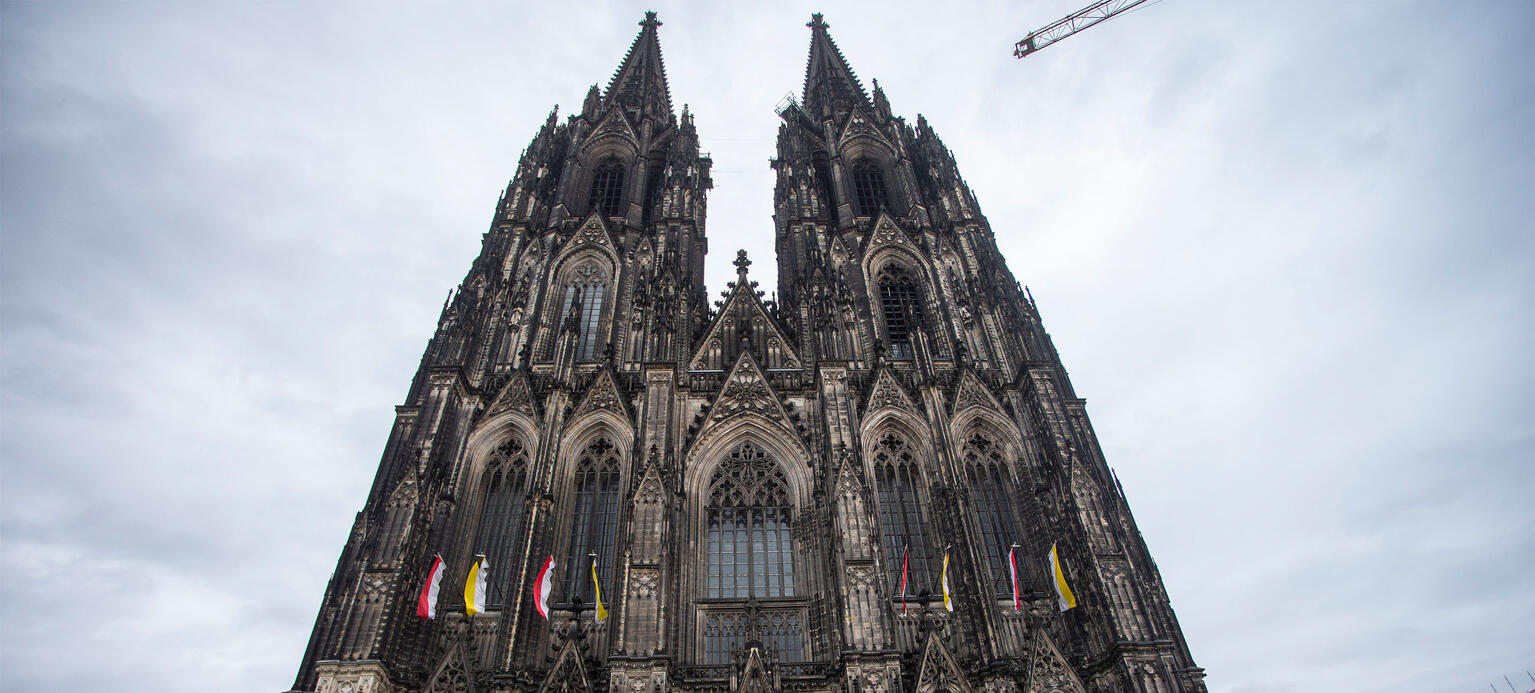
x: 751, y: 481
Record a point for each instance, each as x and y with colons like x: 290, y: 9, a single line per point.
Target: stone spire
x: 830, y: 85
x: 640, y: 82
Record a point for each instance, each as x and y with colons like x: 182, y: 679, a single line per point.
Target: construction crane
x: 1091, y: 15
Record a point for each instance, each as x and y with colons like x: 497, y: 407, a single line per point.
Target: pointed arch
x: 595, y: 485
x: 778, y: 440
x: 900, y: 485
x: 901, y: 289
x: 751, y: 586
x: 503, y: 497
x: 987, y: 473
x: 583, y: 274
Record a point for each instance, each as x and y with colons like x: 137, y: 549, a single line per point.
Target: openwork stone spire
x: 829, y: 83
x: 640, y: 81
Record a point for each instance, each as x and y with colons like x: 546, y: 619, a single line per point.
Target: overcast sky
x: 1286, y: 249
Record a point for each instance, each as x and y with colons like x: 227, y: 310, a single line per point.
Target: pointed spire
x: 641, y: 80
x: 830, y: 84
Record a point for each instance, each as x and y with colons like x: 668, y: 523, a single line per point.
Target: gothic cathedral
x: 854, y: 487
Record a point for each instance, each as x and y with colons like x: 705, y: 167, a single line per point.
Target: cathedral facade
x: 769, y: 494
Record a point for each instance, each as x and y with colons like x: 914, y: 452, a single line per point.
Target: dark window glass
x: 501, y: 515
x: 750, y: 555
x: 608, y: 188
x: 898, y: 299
x: 868, y: 189
x: 724, y: 634
x: 750, y: 544
x: 901, y: 521
x: 595, y: 523
x: 586, y: 291
x: 987, y: 476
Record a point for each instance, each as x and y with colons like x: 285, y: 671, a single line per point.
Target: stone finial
x: 741, y: 263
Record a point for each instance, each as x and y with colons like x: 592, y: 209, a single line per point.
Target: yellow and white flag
x: 948, y: 598
x: 1063, y: 595
x: 474, y: 587
x: 602, y: 611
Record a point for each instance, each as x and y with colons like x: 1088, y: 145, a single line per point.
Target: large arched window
x: 594, y: 525
x: 749, y: 552
x: 901, y: 304
x: 986, y: 473
x: 902, y: 524
x: 750, y: 548
x: 607, y: 188
x: 868, y: 188
x: 585, y: 291
x: 501, y: 514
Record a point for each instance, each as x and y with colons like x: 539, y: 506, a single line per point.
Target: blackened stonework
x: 747, y: 476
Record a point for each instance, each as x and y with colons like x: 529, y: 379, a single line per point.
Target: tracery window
x: 749, y: 552
x: 594, y: 525
x: 585, y: 291
x: 902, y: 523
x: 750, y: 547
x: 501, y: 514
x: 607, y: 188
x: 901, y: 304
x: 986, y: 473
x: 868, y: 189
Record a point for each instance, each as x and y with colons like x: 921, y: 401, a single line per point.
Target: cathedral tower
x: 750, y: 482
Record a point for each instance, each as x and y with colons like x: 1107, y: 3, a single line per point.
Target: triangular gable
x: 613, y: 125
x: 404, y: 493
x: 888, y: 233
x: 939, y: 671
x: 888, y: 393
x: 514, y: 396
x: 649, y: 489
x: 973, y: 393
x: 568, y: 674
x: 603, y: 395
x: 453, y: 674
x: 721, y: 341
x: 593, y: 232
x: 746, y: 391
x: 1049, y: 672
x: 754, y: 676
x: 859, y: 124
x: 849, y: 481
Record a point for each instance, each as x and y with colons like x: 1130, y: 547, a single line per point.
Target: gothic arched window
x: 749, y: 552
x: 868, y: 189
x: 585, y: 291
x: 501, y: 513
x: 901, y: 304
x: 901, y: 522
x: 986, y: 473
x: 594, y: 525
x: 607, y: 188
x: 750, y: 547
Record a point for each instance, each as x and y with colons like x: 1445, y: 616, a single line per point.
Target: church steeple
x: 639, y: 84
x: 830, y: 85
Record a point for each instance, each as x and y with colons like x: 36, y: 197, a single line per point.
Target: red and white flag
x: 542, y: 586
x: 1012, y: 570
x: 905, y: 561
x: 426, y: 604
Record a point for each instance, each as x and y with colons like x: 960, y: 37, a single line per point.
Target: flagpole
x: 592, y: 568
x: 1012, y: 567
